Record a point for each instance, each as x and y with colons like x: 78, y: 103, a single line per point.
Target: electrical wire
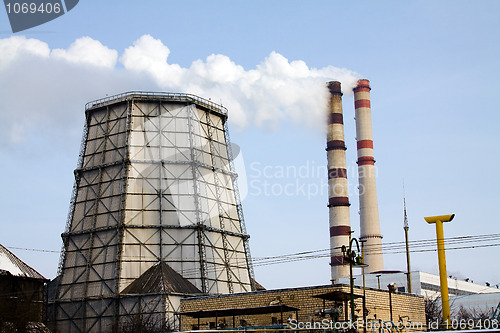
x: 416, y: 246
x: 391, y: 248
x: 34, y: 250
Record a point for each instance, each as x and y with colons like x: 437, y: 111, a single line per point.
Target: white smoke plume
x: 44, y: 91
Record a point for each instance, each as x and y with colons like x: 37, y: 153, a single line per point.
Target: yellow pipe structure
x: 443, y: 278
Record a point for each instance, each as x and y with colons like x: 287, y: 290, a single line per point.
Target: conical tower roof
x: 161, y: 279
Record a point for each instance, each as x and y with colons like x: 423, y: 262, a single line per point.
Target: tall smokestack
x: 368, y: 207
x: 340, y: 225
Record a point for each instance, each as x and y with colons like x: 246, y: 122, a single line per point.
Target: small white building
x: 424, y: 284
x: 473, y: 297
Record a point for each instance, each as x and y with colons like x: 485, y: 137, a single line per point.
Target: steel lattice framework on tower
x: 155, y: 214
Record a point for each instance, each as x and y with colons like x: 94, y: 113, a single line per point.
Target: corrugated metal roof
x: 161, y: 278
x: 15, y: 266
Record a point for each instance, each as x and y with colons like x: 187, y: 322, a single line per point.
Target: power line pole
x: 406, y: 228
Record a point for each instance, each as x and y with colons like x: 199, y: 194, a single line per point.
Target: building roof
x: 338, y: 285
x: 476, y: 302
x: 425, y: 284
x: 10, y: 264
x: 163, y: 96
x: 161, y: 278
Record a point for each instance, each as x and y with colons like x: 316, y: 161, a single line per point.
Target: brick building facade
x: 405, y: 307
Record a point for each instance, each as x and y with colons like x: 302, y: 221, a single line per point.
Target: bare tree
x: 475, y: 314
x: 433, y: 312
x: 462, y: 314
x: 140, y: 323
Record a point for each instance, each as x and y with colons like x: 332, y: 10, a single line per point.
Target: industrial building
x: 467, y: 295
x: 155, y: 235
x: 314, y: 306
x: 424, y: 284
x: 22, y: 294
x: 155, y: 215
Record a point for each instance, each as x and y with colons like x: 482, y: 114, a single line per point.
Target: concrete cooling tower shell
x: 155, y: 214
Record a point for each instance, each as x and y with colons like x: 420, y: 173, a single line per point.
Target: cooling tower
x: 155, y: 214
x: 340, y: 225
x: 368, y: 206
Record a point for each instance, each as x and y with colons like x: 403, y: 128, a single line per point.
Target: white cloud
x: 217, y: 68
x: 150, y: 55
x: 20, y: 46
x: 44, y: 91
x: 17, y: 132
x: 86, y: 50
x: 278, y: 66
x: 276, y: 90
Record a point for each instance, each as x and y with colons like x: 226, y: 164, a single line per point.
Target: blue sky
x: 433, y: 67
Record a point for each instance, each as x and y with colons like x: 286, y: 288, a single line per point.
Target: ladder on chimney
x: 496, y: 314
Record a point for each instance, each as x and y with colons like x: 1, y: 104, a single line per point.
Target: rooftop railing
x: 163, y: 95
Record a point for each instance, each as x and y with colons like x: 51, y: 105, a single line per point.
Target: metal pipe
x: 390, y: 286
x: 443, y: 278
x: 352, y: 292
x: 368, y: 206
x: 340, y: 225
x: 364, y: 285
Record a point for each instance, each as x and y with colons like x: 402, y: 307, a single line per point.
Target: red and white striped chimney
x: 340, y: 225
x: 368, y: 207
